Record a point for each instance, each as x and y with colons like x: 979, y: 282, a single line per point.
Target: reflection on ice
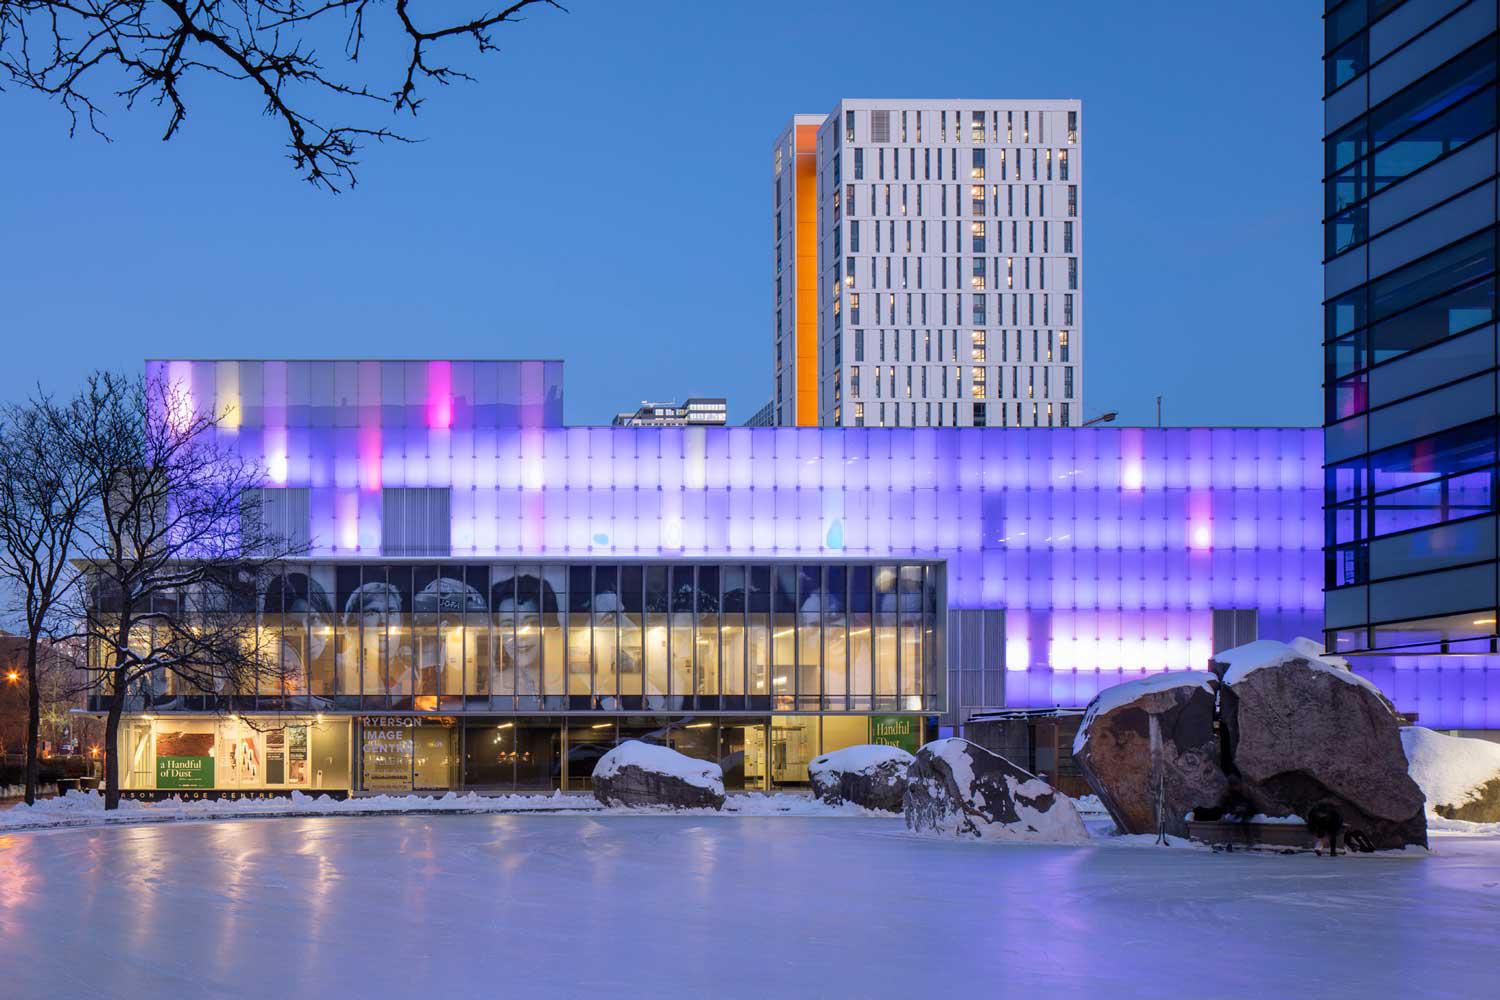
x: 746, y: 906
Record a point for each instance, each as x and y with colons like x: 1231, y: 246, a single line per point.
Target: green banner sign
x: 184, y: 772
x: 904, y: 731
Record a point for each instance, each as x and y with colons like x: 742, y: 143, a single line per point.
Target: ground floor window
x: 398, y: 754
x: 193, y: 754
x: 503, y: 753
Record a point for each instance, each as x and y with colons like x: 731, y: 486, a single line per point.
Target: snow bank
x: 87, y: 808
x: 863, y: 759
x: 1111, y: 698
x: 1450, y: 770
x: 1089, y: 806
x: 1242, y: 661
x: 662, y: 760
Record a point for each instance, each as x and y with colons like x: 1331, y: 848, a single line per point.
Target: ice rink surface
x: 600, y: 906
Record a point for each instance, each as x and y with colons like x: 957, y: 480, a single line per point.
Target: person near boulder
x: 1324, y: 822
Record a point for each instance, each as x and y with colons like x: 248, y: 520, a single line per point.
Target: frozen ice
x: 600, y: 904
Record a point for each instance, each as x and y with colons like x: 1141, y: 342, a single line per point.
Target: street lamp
x: 14, y: 676
x: 1103, y: 418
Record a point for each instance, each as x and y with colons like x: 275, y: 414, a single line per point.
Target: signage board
x: 904, y: 731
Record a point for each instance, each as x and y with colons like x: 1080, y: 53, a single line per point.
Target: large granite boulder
x: 1153, y: 739
x: 955, y: 788
x: 1302, y: 731
x: 868, y: 775
x: 1460, y: 776
x: 645, y: 774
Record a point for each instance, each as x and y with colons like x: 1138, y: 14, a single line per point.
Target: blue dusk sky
x: 602, y: 195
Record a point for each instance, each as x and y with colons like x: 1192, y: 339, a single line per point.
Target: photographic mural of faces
x: 519, y: 601
x: 376, y: 607
x: 301, y: 606
x: 439, y: 607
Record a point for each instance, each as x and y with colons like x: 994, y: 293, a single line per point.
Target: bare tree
x: 82, y: 52
x: 174, y: 558
x: 45, y: 492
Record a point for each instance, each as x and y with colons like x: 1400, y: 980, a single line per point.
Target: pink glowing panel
x: 440, y: 394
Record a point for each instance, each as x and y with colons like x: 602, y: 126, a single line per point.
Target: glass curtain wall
x: 654, y: 637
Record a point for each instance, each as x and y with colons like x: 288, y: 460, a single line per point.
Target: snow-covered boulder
x: 645, y: 774
x: 1304, y: 730
x: 868, y: 775
x: 1460, y: 776
x: 1149, y: 734
x: 955, y: 788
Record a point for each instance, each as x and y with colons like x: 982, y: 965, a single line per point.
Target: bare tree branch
x: 45, y: 494
x: 174, y: 557
x: 74, y: 51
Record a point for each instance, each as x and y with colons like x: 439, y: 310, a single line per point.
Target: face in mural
x: 521, y: 599
x: 303, y: 604
x: 449, y: 600
x: 376, y: 608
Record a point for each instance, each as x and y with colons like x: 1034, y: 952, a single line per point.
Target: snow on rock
x: 648, y: 774
x: 1313, y: 649
x: 955, y: 788
x: 1303, y: 731
x: 1119, y: 695
x: 1240, y: 662
x: 1150, y: 751
x: 1460, y: 776
x: 869, y: 775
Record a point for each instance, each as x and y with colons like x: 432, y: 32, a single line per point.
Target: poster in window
x: 296, y: 755
x: 244, y: 760
x: 184, y: 760
x: 276, y: 757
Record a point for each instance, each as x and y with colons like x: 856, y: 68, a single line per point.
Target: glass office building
x: 1410, y: 373
x: 491, y: 599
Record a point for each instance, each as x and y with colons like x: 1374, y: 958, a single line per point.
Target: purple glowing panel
x: 1108, y: 548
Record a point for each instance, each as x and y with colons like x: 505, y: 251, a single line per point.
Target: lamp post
x: 1103, y: 418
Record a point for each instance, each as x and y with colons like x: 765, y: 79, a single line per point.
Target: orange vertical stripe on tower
x: 805, y: 347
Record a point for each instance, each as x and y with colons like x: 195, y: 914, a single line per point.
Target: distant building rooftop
x: 698, y: 411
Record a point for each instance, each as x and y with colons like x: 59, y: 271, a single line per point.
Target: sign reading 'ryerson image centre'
x: 386, y: 753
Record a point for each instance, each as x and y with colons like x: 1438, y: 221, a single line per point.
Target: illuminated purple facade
x: 1071, y: 559
x: 490, y: 599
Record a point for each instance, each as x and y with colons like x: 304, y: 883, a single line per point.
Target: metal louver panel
x: 880, y: 126
x: 283, y: 513
x: 414, y: 521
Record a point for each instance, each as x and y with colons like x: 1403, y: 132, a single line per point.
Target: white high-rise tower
x: 926, y: 265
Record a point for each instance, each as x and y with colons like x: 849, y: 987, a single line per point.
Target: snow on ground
x: 87, y: 808
x: 1089, y: 805
x: 589, y: 904
x: 1450, y: 770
